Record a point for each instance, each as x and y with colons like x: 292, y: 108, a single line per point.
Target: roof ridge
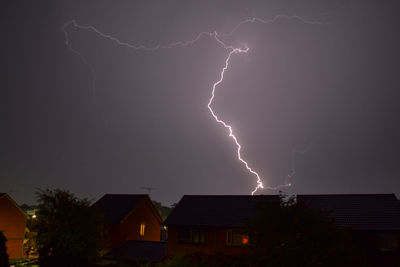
x: 125, y: 194
x: 230, y: 195
x: 356, y: 194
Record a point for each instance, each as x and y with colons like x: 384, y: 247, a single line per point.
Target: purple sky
x: 330, y: 90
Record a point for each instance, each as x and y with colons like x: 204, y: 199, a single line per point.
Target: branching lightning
x: 231, y: 51
x: 83, y: 58
x: 300, y: 151
x: 293, y: 154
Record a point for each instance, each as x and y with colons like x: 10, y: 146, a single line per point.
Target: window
x: 237, y: 238
x: 142, y: 227
x: 192, y: 235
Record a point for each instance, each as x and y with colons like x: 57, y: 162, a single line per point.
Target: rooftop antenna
x: 149, y: 189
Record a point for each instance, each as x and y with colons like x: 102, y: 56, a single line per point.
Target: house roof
x: 117, y: 206
x: 359, y: 211
x: 15, y: 203
x: 144, y: 251
x: 215, y: 211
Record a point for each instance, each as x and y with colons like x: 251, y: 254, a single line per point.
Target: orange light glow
x: 142, y: 227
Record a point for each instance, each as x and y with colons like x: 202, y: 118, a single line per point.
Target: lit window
x: 142, y: 227
x: 237, y: 238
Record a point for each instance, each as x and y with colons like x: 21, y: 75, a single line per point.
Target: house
x: 373, y: 218
x: 212, y: 224
x: 129, y: 217
x: 216, y: 224
x: 12, y: 223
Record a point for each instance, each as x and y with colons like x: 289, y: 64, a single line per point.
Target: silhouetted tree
x: 163, y: 210
x: 68, y: 230
x: 3, y: 251
x: 289, y: 233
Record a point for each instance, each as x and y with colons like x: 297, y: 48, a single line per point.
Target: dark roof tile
x: 117, y: 206
x: 215, y: 211
x: 359, y: 211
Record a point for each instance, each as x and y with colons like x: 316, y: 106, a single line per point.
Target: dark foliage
x: 26, y: 207
x: 69, y: 231
x: 3, y: 251
x: 200, y: 260
x: 163, y: 210
x: 289, y: 233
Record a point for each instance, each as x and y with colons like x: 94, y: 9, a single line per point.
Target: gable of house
x: 131, y: 217
x: 12, y: 223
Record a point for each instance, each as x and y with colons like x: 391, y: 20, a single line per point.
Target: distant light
x: 33, y: 216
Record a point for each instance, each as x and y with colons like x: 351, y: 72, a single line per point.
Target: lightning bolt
x: 227, y: 126
x: 231, y: 51
x: 83, y: 58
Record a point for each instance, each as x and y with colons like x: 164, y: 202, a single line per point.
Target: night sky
x: 324, y: 96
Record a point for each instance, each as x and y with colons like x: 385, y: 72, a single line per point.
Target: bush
x: 69, y: 231
x: 3, y: 251
x: 201, y: 260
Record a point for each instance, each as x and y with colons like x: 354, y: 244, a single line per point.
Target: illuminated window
x: 237, y: 238
x: 142, y: 227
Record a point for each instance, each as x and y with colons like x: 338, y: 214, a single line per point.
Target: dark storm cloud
x: 330, y: 89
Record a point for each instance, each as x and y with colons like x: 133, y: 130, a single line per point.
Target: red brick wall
x: 130, y: 226
x: 12, y: 222
x: 215, y: 243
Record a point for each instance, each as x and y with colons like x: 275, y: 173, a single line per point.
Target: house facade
x: 129, y: 217
x: 12, y: 223
x: 217, y: 224
x: 212, y: 224
x: 374, y: 221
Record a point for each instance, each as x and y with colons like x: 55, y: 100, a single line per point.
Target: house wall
x: 129, y: 228
x: 12, y: 222
x: 369, y: 247
x: 215, y: 243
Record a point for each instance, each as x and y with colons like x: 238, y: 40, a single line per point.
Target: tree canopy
x: 290, y: 233
x: 163, y: 210
x: 69, y: 231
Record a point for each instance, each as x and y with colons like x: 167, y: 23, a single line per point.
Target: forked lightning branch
x: 218, y: 37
